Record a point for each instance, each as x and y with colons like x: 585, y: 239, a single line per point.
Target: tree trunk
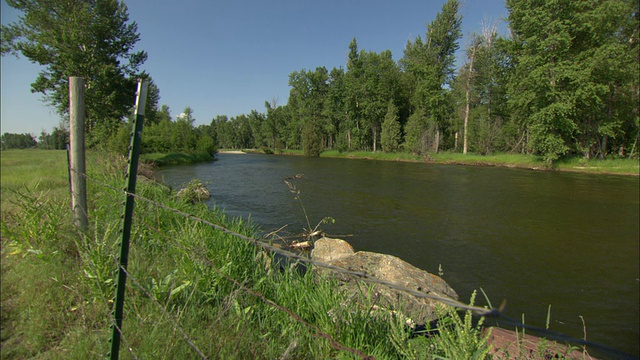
x: 603, y: 147
x: 437, y: 145
x: 375, y: 137
x: 468, y: 99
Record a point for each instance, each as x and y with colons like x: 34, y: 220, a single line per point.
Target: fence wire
x: 495, y: 313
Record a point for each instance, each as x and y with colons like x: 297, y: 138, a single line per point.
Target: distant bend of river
x: 534, y: 238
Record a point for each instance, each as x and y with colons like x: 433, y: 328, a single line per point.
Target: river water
x: 532, y: 238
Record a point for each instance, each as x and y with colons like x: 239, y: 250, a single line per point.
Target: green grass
x: 58, y: 283
x: 612, y: 165
x: 607, y: 166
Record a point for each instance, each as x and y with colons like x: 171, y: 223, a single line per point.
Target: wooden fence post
x: 77, y: 161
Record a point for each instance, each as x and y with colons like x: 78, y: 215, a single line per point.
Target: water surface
x: 533, y: 238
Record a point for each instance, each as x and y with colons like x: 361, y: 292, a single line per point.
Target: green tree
x: 380, y: 84
x: 183, y: 136
x: 273, y: 122
x: 151, y: 115
x: 391, y: 130
x: 415, y: 132
x: 354, y: 94
x: 335, y: 109
x: 431, y: 64
x: 576, y: 76
x: 224, y: 134
x: 311, y: 139
x: 17, y: 141
x: 307, y: 99
x: 93, y: 39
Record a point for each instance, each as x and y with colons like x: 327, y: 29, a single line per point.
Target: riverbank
x: 186, y: 280
x: 168, y: 159
x: 618, y: 166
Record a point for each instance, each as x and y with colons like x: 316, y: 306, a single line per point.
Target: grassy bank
x: 57, y: 283
x: 162, y: 159
x: 617, y: 166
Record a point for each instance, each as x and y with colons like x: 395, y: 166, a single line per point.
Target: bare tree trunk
x: 437, y: 145
x: 375, y: 137
x: 465, y: 140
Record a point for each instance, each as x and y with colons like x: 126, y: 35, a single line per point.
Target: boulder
x: 386, y: 268
x: 327, y: 249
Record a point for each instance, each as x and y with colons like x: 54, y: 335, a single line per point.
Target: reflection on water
x: 533, y: 238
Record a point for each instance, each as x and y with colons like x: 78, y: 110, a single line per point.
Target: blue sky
x: 228, y: 57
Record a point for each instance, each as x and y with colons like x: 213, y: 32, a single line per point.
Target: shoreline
x: 446, y: 159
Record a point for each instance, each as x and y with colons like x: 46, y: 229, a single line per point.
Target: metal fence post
x: 134, y: 154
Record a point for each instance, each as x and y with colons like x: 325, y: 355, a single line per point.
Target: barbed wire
x: 124, y: 339
x: 165, y: 312
x: 335, y: 344
x: 496, y: 313
x: 479, y: 311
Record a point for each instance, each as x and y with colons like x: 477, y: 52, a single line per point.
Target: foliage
x: 17, y: 141
x: 564, y: 88
x: 179, y: 136
x: 391, y: 131
x: 576, y: 70
x: 91, y: 39
x: 460, y: 338
x: 57, y: 140
x: 311, y: 142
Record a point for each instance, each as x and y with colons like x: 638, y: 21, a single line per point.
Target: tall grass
x: 58, y: 284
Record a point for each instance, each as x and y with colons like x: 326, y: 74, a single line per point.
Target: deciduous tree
x: 93, y: 39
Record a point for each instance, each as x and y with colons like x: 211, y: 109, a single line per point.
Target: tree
x: 307, y: 99
x: 415, y: 132
x: 183, y: 137
x: 431, y: 66
x: 335, y: 109
x: 576, y: 76
x: 353, y: 92
x: 471, y: 54
x: 391, y: 130
x: 311, y: 139
x: 380, y: 84
x: 93, y: 39
x: 17, y: 141
x: 151, y: 114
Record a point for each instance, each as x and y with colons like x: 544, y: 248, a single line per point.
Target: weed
x: 310, y: 233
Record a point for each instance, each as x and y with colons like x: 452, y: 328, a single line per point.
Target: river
x: 532, y: 238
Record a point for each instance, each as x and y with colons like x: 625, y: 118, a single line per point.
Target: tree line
x: 563, y: 82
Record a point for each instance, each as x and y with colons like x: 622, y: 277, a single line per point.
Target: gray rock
x: 327, y: 249
x: 386, y: 268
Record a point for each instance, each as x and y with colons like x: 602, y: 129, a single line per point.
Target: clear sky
x: 229, y: 57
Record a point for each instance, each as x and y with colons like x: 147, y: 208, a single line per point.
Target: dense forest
x: 564, y: 81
